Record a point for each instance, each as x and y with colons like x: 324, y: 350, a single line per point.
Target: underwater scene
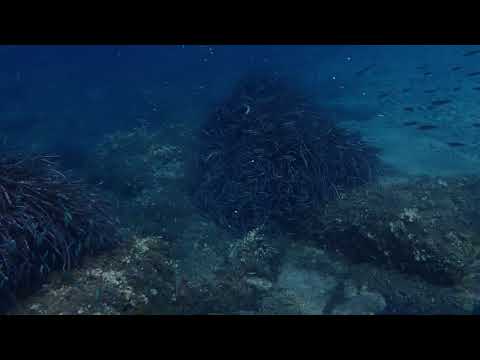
x: 239, y: 179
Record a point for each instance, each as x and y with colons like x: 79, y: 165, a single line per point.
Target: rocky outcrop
x: 427, y: 227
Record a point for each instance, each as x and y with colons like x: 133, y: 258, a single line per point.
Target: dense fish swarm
x: 268, y: 152
x: 47, y: 222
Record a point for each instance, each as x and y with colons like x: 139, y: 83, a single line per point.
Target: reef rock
x: 427, y: 227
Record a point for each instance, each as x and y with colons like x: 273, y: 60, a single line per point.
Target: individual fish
x: 471, y: 52
x: 365, y: 69
x: 476, y: 125
x: 441, y: 102
x: 455, y: 144
x: 476, y: 88
x: 410, y: 123
x: 422, y: 67
x: 475, y: 73
x: 456, y: 68
x: 408, y: 108
x: 430, y: 91
x: 456, y: 88
x: 250, y: 131
x: 289, y: 157
x: 383, y: 95
x: 406, y: 90
x: 428, y: 73
x: 289, y: 123
x: 426, y: 127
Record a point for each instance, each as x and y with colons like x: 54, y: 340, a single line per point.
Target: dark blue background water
x: 64, y: 98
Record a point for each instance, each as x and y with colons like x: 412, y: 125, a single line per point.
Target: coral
x: 268, y: 152
x: 48, y: 221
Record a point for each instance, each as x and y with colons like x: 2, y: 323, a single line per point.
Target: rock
x: 200, y: 248
x: 135, y: 278
x: 310, y: 290
x: 317, y: 281
x: 360, y: 302
x: 131, y: 161
x: 280, y: 302
x: 421, y: 227
x: 407, y: 294
x: 317, y: 259
x: 257, y: 253
x: 259, y: 284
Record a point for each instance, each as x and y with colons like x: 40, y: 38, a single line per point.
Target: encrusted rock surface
x: 426, y: 227
x: 129, y: 280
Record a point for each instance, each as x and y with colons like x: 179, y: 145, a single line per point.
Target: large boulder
x: 426, y: 227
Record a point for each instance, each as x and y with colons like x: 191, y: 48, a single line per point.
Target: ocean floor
x: 185, y: 264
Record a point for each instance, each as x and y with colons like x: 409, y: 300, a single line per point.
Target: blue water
x: 58, y: 83
x: 92, y: 90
